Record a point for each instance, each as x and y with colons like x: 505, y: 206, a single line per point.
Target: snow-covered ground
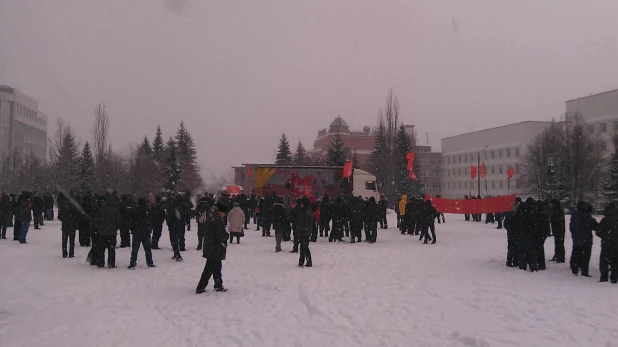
x: 397, y: 292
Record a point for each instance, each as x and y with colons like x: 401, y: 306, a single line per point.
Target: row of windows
x: 30, y: 140
x: 432, y: 161
x: 602, y: 127
x: 490, y: 185
x: 435, y: 186
x: 491, y: 170
x: 426, y: 173
x: 487, y: 155
x: 29, y: 114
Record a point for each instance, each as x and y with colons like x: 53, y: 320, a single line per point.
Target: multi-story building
x: 360, y: 143
x: 23, y: 128
x: 600, y: 111
x: 498, y: 148
x: 429, y: 171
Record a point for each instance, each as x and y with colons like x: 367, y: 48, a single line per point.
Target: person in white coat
x: 235, y: 220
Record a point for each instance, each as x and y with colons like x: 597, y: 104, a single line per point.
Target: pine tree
x: 145, y: 147
x: 284, y: 155
x: 380, y: 157
x: 336, y: 153
x: 86, y: 169
x: 173, y: 171
x: 403, y: 146
x: 188, y: 160
x: 158, y: 145
x: 610, y: 185
x: 300, y: 157
x: 67, y: 161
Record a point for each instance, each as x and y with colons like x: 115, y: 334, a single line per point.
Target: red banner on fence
x: 473, y: 206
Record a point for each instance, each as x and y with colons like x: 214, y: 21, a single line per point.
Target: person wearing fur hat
x: 235, y: 220
x: 215, y: 248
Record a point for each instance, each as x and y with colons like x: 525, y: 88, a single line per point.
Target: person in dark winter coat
x: 251, y: 206
x: 608, y: 232
x: 558, y: 228
x: 108, y: 221
x: 294, y: 215
x: 25, y: 210
x: 528, y: 225
x: 37, y: 210
x: 6, y: 215
x: 215, y: 249
x: 126, y: 209
x: 383, y: 206
x: 141, y: 228
x: 48, y: 201
x: 304, y: 223
x: 581, y: 226
x: 512, y: 234
x: 338, y: 215
x: 83, y: 223
x: 16, y: 203
x: 174, y: 224
x: 69, y: 216
x: 325, y: 216
x: 158, y: 218
x: 266, y: 211
x: 280, y: 222
x: 93, y: 254
x: 204, y: 208
x: 543, y: 233
x: 427, y: 220
x: 372, y: 217
x: 356, y: 219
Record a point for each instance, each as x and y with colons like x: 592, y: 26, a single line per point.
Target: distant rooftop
x: 593, y: 95
x: 498, y: 127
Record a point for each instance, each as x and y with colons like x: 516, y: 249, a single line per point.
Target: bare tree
x: 100, y: 133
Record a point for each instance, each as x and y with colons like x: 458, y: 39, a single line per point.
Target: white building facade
x: 600, y: 111
x: 499, y: 148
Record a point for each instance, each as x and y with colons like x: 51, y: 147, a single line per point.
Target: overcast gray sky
x: 241, y: 72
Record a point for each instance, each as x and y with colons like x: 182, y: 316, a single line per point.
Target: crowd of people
x: 415, y: 216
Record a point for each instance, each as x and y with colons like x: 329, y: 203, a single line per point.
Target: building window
x: 517, y: 152
x: 436, y: 186
x: 500, y: 184
x: 616, y: 125
x: 466, y: 171
x: 603, y: 127
x: 603, y: 146
x: 459, y: 174
x: 436, y: 173
x: 500, y: 168
x: 493, y: 155
x: 590, y: 129
x: 460, y: 158
x: 466, y: 185
x: 465, y: 158
x: 493, y: 170
x: 459, y: 185
x: 485, y: 155
x: 493, y: 184
x: 508, y: 153
x: 448, y: 160
x: 500, y: 154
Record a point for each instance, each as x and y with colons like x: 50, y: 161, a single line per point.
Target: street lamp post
x: 478, y: 174
x: 550, y: 172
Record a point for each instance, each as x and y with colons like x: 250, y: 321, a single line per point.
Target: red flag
x: 473, y: 206
x: 248, y: 171
x: 410, y: 157
x: 483, y: 170
x: 347, y: 169
x: 412, y: 176
x: 510, y: 172
x: 472, y: 172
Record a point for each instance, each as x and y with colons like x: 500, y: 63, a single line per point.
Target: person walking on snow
x: 304, y: 223
x: 215, y: 248
x: 608, y: 232
x: 582, y: 224
x: 235, y: 222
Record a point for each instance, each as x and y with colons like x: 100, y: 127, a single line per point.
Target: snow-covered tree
x: 300, y: 157
x: 403, y: 146
x: 336, y: 152
x: 284, y: 155
x: 610, y: 185
x: 158, y: 146
x: 86, y: 169
x: 173, y: 170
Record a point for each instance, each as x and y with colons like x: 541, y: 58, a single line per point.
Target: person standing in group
x: 608, y: 232
x: 558, y: 228
x: 325, y: 216
x: 26, y: 217
x: 266, y: 210
x: 543, y: 232
x: 6, y: 214
x: 294, y: 215
x: 427, y: 219
x: 338, y: 215
x: 356, y: 219
x: 174, y: 224
x: 37, y: 210
x: 69, y: 217
x: 126, y: 211
x: 280, y: 222
x: 512, y: 234
x: 158, y: 218
x: 16, y: 204
x: 141, y: 228
x: 203, y: 208
x: 251, y: 206
x: 48, y: 201
x: 235, y: 222
x: 581, y: 226
x: 215, y: 249
x: 108, y: 221
x: 383, y: 206
x: 305, y: 221
x: 403, y: 205
x: 372, y: 217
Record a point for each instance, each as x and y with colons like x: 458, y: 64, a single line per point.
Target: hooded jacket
x: 402, y: 205
x: 582, y: 224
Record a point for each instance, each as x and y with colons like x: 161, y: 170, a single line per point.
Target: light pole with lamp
x: 551, y: 164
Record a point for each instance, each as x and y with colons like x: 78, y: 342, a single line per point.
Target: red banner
x: 473, y: 206
x: 483, y: 170
x: 347, y: 169
x: 472, y: 172
x: 410, y: 157
x: 412, y: 176
x: 510, y: 172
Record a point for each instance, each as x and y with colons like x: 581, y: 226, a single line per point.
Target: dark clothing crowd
x: 415, y: 216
